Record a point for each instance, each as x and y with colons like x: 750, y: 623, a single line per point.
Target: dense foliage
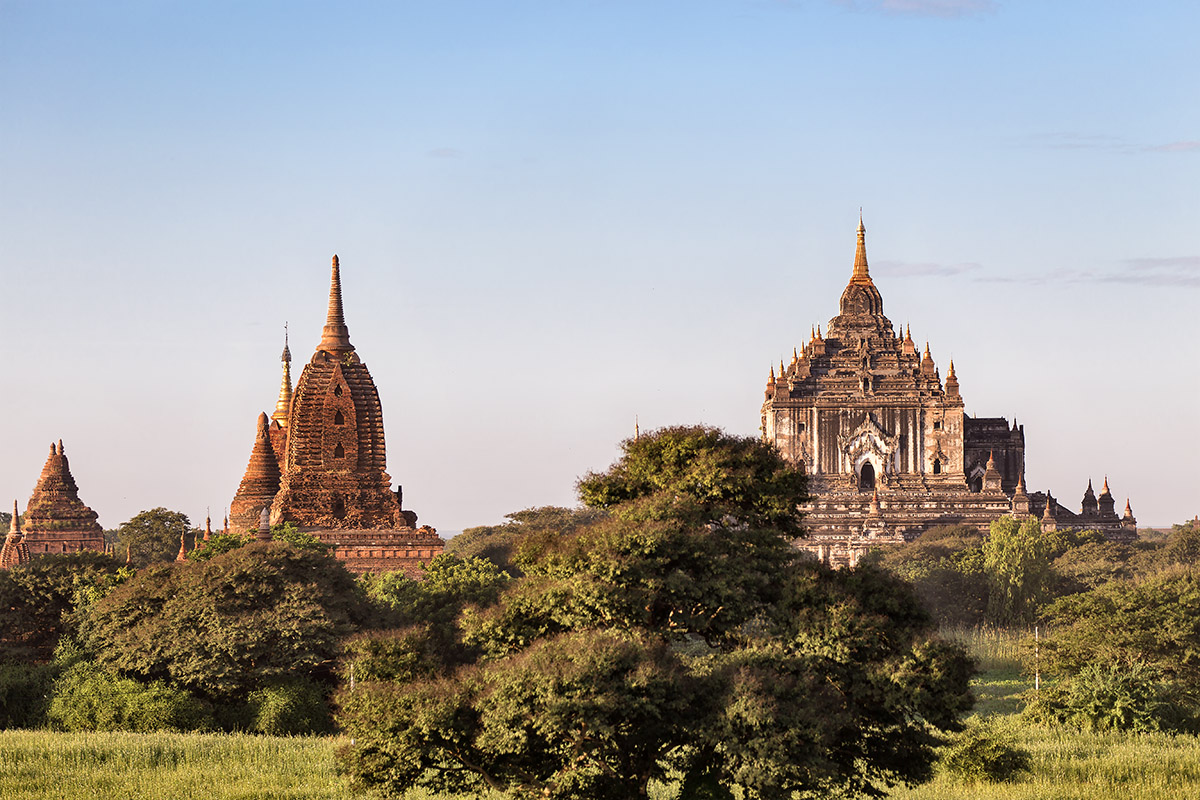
x: 224, y: 627
x: 680, y: 634
x: 502, y: 544
x: 37, y: 598
x: 153, y: 536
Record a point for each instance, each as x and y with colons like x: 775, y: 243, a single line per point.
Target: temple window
x: 339, y: 452
x: 339, y: 419
x: 937, y: 467
x: 937, y: 426
x: 337, y: 390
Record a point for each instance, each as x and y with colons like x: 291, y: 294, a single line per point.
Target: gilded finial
x: 861, y: 274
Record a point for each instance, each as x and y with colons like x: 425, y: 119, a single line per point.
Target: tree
x: 224, y: 627
x: 153, y: 535
x: 1016, y: 558
x: 678, y: 635
x: 729, y: 478
x: 501, y: 544
x: 37, y: 598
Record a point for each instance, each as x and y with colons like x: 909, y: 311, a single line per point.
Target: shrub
x: 88, y: 698
x: 24, y: 694
x: 983, y: 752
x: 290, y: 708
x: 1114, y: 697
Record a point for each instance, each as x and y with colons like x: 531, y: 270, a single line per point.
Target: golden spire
x: 861, y: 275
x: 950, y: 374
x: 782, y: 371
x: 335, y: 338
x: 284, y: 404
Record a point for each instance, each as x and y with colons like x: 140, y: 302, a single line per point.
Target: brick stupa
x: 14, y: 551
x: 56, y: 520
x: 333, y: 479
x: 259, y: 485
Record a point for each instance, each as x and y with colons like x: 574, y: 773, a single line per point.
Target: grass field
x: 1067, y: 765
x: 121, y: 766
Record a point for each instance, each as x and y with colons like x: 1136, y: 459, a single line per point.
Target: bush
x: 291, y: 708
x: 88, y: 698
x: 25, y: 694
x: 983, y: 752
x: 1113, y: 697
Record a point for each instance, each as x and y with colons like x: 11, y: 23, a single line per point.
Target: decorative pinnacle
x: 950, y: 374
x: 861, y: 274
x: 15, y: 528
x: 335, y: 338
x: 264, y: 524
x: 284, y: 404
x: 1021, y: 482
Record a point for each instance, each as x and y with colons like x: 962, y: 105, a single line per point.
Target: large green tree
x: 678, y: 635
x: 152, y: 536
x: 226, y: 626
x: 1016, y: 559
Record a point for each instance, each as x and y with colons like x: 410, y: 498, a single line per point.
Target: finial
x: 182, y: 544
x: 950, y: 373
x: 61, y: 452
x: 927, y: 353
x: 795, y: 356
x: 772, y: 378
x: 637, y: 430
x: 1128, y: 508
x: 53, y: 452
x: 335, y: 337
x: 818, y: 331
x: 1021, y: 482
x: 782, y: 371
x: 861, y: 274
x: 287, y: 351
x: 1105, y: 489
x: 812, y: 333
x: 14, y: 527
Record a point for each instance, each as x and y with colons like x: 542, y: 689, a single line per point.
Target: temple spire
x: 335, y: 338
x: 284, y: 403
x: 861, y: 274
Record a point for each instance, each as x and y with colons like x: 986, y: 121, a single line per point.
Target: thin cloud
x: 1068, y: 140
x: 445, y: 152
x: 945, y: 9
x: 912, y: 269
x: 1171, y: 271
x: 1179, y: 271
x: 1176, y: 147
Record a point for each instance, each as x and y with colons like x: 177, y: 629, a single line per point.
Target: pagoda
x: 56, y: 520
x: 332, y: 477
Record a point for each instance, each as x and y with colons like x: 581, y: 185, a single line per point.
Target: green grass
x: 122, y: 766
x: 1075, y: 765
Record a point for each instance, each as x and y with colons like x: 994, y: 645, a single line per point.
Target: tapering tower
x: 334, y: 472
x: 56, y: 520
x: 15, y: 550
x: 260, y: 484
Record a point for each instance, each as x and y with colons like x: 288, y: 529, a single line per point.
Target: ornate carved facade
x: 56, y: 520
x: 320, y: 462
x: 887, y: 446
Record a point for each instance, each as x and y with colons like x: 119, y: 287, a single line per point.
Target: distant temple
x: 14, y: 551
x: 887, y: 447
x: 56, y: 520
x: 320, y: 462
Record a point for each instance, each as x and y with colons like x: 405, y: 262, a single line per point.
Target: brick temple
x: 320, y: 462
x: 886, y: 444
x: 56, y: 520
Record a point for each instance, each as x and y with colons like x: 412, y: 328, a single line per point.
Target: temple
x: 56, y: 520
x: 320, y: 461
x: 887, y: 446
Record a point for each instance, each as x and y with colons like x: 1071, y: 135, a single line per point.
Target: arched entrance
x: 866, y: 477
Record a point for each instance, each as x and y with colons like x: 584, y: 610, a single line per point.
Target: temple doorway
x: 866, y: 477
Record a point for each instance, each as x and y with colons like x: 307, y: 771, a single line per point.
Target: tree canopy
x: 679, y: 635
x: 153, y: 535
x: 223, y: 627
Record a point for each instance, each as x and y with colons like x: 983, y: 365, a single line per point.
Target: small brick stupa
x: 56, y: 520
x: 260, y: 484
x: 14, y: 551
x: 333, y: 479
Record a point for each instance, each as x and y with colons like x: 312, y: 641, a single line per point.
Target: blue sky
x: 554, y: 216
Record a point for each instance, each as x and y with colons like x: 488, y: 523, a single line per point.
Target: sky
x: 555, y: 217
